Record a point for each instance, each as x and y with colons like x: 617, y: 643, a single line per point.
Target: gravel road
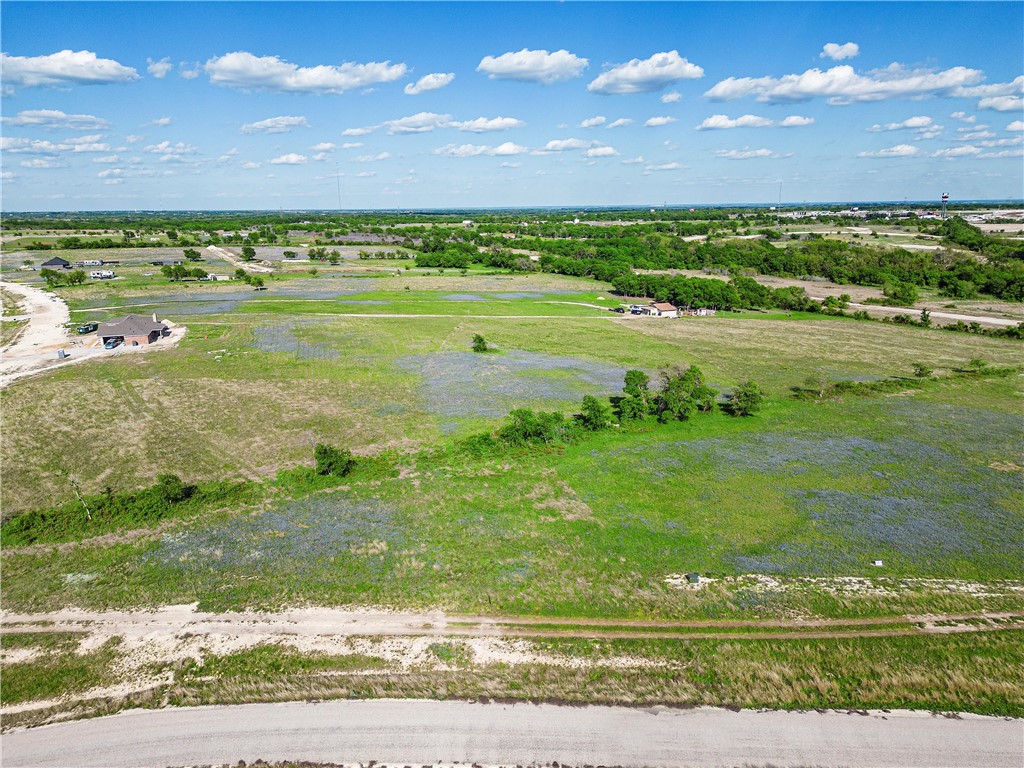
x: 416, y: 732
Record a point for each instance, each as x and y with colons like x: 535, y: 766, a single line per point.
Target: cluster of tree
x: 385, y: 255
x: 181, y: 272
x: 444, y: 259
x: 56, y: 278
x: 191, y: 254
x: 683, y: 392
x: 255, y: 281
x: 109, y: 510
x: 322, y: 254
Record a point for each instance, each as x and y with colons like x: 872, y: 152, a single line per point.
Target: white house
x: 662, y: 309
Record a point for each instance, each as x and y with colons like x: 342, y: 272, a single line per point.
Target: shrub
x: 595, y: 414
x: 333, y: 461
x: 479, y: 343
x: 922, y: 371
x: 746, y: 400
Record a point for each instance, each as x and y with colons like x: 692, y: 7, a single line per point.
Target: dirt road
x: 178, y: 632
x: 418, y: 732
x: 35, y: 350
x: 254, y: 267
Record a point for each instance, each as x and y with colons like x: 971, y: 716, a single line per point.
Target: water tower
x: 945, y: 199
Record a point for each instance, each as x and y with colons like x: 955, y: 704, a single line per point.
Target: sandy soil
x: 35, y: 350
x: 179, y: 632
x: 255, y: 267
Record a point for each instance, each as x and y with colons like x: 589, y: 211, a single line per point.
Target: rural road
x: 415, y: 732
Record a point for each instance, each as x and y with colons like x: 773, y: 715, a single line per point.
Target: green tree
x: 901, y: 294
x: 333, y: 461
x: 595, y: 415
x: 256, y: 281
x: 248, y: 252
x: 171, y: 489
x: 191, y: 254
x: 746, y: 400
x: 75, y: 277
x: 683, y: 392
x: 240, y: 274
x: 637, y: 403
x: 479, y: 343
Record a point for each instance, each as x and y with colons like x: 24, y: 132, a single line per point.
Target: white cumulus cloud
x: 421, y: 122
x: 242, y: 69
x: 744, y: 154
x: 842, y: 85
x: 724, y: 122
x: 373, y: 158
x: 161, y: 122
x: 538, y: 66
x: 654, y: 122
x: 324, y: 146
x: 900, y: 150
x: 560, y: 145
x: 600, y: 152
x: 159, y: 69
x: 55, y: 119
x: 474, y: 150
x: 429, y: 82
x: 838, y: 52
x: 620, y: 123
x: 486, y: 124
x: 671, y: 97
x: 919, y: 121
x: 968, y: 150
x: 62, y: 68
x: 593, y: 122
x: 1016, y: 125
x: 796, y: 121
x: 249, y: 165
x: 282, y: 124
x: 663, y: 167
x: 292, y: 158
x: 646, y: 75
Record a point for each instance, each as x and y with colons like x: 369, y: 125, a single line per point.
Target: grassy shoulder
x: 978, y: 673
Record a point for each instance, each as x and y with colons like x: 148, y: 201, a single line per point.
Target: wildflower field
x: 783, y: 514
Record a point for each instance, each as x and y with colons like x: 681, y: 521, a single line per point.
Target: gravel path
x: 418, y: 732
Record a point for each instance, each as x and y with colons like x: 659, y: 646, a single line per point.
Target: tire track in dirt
x: 334, y: 622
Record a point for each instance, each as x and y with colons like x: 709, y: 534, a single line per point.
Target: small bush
x: 333, y: 461
x: 479, y: 343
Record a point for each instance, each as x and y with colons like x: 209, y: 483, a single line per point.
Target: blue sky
x: 243, y: 105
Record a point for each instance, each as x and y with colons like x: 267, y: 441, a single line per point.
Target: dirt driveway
x: 36, y: 349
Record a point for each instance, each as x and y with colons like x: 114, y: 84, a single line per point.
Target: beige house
x: 662, y: 309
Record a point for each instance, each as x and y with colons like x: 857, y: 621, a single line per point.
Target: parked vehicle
x: 620, y: 310
x: 102, y: 274
x: 112, y: 343
x: 88, y: 327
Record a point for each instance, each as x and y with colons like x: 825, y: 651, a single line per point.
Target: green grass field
x: 803, y: 496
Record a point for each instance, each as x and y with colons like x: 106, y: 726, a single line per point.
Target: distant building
x: 662, y: 309
x: 56, y: 263
x: 133, y: 330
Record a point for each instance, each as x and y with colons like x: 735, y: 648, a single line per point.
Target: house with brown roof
x: 662, y: 309
x: 132, y: 330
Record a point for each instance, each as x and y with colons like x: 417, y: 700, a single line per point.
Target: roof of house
x: 129, y: 325
x: 663, y: 307
x: 57, y: 260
